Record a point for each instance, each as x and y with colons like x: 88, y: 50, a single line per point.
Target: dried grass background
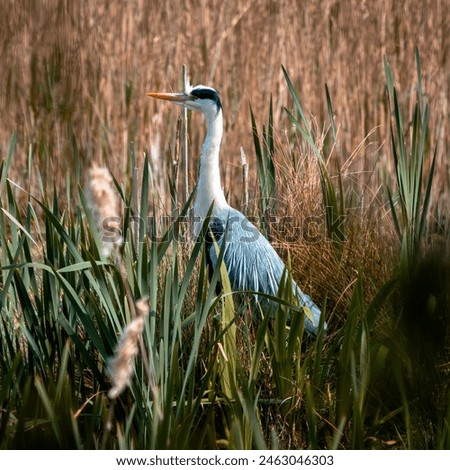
x: 74, y: 77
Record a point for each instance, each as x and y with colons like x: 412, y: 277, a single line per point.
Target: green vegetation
x: 211, y: 372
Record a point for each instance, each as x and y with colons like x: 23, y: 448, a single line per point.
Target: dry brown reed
x: 299, y: 231
x: 78, y: 72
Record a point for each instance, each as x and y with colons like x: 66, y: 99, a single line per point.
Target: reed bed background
x: 341, y: 109
x: 75, y: 74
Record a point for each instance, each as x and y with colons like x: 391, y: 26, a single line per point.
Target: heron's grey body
x: 253, y: 264
x: 251, y: 261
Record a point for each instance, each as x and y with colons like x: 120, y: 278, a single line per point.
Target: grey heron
x: 251, y: 261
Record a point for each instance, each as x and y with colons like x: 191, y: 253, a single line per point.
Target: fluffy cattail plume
x: 122, y: 364
x: 103, y: 202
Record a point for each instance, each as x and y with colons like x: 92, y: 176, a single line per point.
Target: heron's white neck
x: 209, y: 188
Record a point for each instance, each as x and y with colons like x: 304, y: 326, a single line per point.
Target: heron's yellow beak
x: 175, y: 97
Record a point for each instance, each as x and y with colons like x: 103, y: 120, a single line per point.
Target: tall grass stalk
x: 265, y: 150
x: 409, y: 145
x: 333, y: 197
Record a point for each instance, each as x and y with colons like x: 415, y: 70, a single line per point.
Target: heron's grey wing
x: 253, y: 264
x: 251, y: 261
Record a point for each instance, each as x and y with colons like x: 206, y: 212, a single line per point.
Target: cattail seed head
x: 122, y: 364
x: 103, y: 202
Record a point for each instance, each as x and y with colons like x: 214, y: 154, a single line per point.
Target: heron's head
x: 202, y: 98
